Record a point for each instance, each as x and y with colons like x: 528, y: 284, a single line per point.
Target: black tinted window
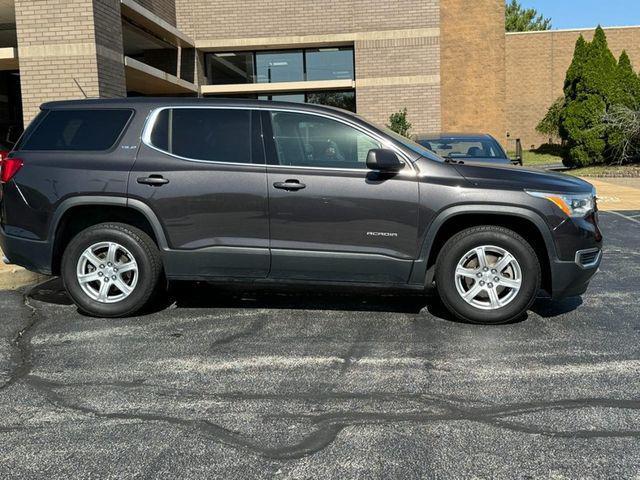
x: 314, y: 141
x: 81, y: 130
x: 217, y: 135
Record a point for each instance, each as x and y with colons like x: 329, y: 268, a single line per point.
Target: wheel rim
x: 107, y: 272
x: 488, y: 277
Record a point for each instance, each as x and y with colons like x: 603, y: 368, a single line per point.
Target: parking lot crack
x: 22, y: 346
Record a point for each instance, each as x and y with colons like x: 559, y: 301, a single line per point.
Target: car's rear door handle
x: 153, y: 180
x: 291, y: 185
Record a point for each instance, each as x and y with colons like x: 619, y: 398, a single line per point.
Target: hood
x: 518, y: 178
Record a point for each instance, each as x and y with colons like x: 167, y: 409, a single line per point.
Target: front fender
x: 422, y: 275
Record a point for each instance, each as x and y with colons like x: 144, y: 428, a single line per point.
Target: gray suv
x: 119, y: 196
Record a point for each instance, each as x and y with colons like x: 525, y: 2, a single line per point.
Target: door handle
x: 153, y: 180
x: 290, y: 185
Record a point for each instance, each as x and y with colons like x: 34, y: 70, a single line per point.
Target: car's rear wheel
x: 487, y: 274
x: 111, y: 270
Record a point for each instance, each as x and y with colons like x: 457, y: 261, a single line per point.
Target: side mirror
x: 384, y: 160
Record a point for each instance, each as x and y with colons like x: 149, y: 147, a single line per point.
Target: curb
x: 13, y: 277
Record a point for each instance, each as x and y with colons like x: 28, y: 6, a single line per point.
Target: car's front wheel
x: 111, y: 269
x: 487, y: 274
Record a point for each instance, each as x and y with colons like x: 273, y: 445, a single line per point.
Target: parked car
x: 117, y: 195
x: 469, y: 148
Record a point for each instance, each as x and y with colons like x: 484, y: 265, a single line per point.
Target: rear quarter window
x: 205, y: 134
x: 78, y: 130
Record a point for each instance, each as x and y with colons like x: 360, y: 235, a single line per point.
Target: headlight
x: 574, y: 205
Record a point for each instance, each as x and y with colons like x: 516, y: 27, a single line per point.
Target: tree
x: 597, y: 119
x: 398, y: 123
x: 625, y: 122
x: 595, y: 83
x: 550, y: 124
x: 520, y: 19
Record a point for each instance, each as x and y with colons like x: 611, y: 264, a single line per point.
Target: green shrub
x: 398, y: 123
x: 595, y: 83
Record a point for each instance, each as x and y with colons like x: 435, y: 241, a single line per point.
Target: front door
x: 331, y: 218
x: 202, y: 171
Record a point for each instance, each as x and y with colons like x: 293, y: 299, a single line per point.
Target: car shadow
x: 205, y: 295
x: 548, y: 308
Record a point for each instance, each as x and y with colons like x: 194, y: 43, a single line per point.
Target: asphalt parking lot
x: 235, y: 384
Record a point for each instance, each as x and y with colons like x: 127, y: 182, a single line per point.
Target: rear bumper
x: 33, y: 255
x: 571, y: 279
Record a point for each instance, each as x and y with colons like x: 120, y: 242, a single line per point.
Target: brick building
x: 448, y: 62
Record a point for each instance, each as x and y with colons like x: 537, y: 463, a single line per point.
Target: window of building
x: 335, y: 63
x: 345, y: 100
x: 272, y: 67
x: 314, y: 141
x: 217, y: 135
x: 329, y: 64
x: 78, y: 130
x: 229, y: 68
x: 285, y: 97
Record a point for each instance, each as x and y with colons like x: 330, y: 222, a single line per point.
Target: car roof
x: 153, y: 102
x: 150, y: 103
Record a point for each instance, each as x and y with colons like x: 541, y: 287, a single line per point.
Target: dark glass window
x: 78, y: 130
x: 218, y: 135
x: 314, y: 141
x: 274, y: 67
x: 330, y: 64
x: 344, y: 100
x: 286, y: 97
x: 229, y: 68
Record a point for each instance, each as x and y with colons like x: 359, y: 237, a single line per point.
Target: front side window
x: 314, y: 141
x: 217, y: 135
x: 78, y: 130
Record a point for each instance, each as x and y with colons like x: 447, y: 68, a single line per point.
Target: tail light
x: 8, y: 168
x: 4, y: 154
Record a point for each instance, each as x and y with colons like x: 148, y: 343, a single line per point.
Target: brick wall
x: 165, y: 9
x: 397, y: 44
x: 63, y: 40
x: 473, y: 66
x: 536, y: 67
x: 205, y: 19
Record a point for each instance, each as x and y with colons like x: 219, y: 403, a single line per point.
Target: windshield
x: 407, y: 142
x: 464, y: 147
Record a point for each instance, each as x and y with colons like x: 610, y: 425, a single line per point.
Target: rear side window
x: 78, y: 130
x: 211, y: 134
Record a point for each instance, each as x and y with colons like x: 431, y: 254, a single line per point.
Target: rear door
x: 202, y: 171
x: 331, y: 218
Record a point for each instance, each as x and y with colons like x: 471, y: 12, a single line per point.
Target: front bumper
x: 571, y: 279
x: 33, y: 255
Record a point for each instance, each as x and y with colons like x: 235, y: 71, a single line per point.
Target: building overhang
x: 154, y: 24
x: 9, y: 59
x: 280, y: 87
x: 148, y: 80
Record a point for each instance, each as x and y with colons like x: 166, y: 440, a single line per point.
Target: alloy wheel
x: 488, y: 277
x: 107, y: 272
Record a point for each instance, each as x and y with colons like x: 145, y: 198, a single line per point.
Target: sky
x: 587, y: 13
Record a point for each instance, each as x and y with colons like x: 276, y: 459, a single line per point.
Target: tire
x: 508, y: 298
x: 127, y: 292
